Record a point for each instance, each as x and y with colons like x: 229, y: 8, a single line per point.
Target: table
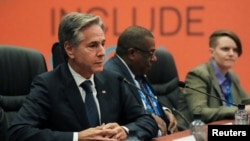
x: 187, y: 132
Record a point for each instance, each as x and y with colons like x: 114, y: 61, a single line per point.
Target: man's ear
x: 68, y: 49
x: 131, y: 52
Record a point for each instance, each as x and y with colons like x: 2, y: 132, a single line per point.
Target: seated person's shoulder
x: 234, y: 75
x: 201, y: 70
x: 111, y: 75
x: 110, y: 72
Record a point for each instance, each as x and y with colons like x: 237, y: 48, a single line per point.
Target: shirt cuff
x: 167, y: 109
x: 126, y: 129
x: 159, y: 133
x: 75, y: 136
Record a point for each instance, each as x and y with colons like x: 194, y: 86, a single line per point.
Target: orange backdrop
x: 180, y: 26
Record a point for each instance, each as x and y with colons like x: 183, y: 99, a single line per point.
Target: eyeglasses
x: 150, y: 53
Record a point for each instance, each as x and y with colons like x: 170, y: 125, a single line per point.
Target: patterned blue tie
x: 228, y: 95
x: 153, y: 103
x: 226, y: 90
x: 90, y: 105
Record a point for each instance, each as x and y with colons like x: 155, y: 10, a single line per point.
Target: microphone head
x: 181, y: 84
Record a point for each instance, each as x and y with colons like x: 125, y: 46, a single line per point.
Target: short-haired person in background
x: 61, y: 105
x: 215, y: 77
x: 134, y: 56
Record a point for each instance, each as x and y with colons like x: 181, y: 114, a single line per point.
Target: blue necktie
x: 153, y: 103
x: 228, y: 95
x: 90, y: 105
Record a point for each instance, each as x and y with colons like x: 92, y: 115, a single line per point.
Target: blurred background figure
x: 215, y: 77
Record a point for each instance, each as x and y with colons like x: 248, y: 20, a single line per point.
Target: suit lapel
x: 122, y: 68
x: 215, y: 83
x: 74, y: 97
x: 102, y: 96
x: 125, y: 72
x: 234, y: 90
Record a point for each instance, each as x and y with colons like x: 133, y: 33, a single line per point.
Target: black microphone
x: 183, y: 85
x: 124, y: 80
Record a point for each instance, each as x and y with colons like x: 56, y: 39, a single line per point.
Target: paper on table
x: 229, y: 123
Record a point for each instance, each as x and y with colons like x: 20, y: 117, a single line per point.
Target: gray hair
x: 71, y: 25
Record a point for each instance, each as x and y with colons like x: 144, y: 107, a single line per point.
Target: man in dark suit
x: 134, y: 56
x: 78, y: 100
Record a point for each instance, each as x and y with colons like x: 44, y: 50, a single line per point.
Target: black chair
x: 3, y: 126
x: 18, y: 67
x: 57, y: 55
x: 164, y: 79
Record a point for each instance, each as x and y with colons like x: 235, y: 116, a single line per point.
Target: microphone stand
x: 182, y: 84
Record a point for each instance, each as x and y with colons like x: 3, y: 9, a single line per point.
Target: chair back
x: 164, y: 79
x: 3, y: 126
x: 18, y: 67
x: 57, y: 55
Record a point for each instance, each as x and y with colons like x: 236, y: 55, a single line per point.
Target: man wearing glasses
x: 135, y: 54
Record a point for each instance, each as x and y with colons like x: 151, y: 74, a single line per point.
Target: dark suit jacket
x: 54, y: 108
x: 203, y: 79
x: 116, y: 65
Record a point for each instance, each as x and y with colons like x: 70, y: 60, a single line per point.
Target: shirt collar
x: 78, y: 78
x: 130, y: 72
x: 220, y: 77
